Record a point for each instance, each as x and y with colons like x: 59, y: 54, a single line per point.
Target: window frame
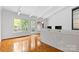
x: 21, y: 29
x: 73, y: 19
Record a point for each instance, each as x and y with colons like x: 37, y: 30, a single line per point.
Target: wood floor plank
x: 30, y: 43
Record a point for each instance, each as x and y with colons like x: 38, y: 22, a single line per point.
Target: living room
x: 51, y: 25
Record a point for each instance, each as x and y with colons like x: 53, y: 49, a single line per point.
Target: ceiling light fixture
x: 19, y: 10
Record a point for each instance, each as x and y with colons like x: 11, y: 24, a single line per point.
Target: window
x: 33, y: 25
x: 75, y: 18
x: 21, y: 24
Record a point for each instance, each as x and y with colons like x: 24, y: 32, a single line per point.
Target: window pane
x: 17, y: 24
x: 21, y: 24
x: 33, y: 25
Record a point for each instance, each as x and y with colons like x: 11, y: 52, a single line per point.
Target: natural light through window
x: 33, y: 25
x: 21, y: 24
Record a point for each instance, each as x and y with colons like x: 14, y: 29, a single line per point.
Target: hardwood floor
x: 45, y: 48
x: 30, y: 43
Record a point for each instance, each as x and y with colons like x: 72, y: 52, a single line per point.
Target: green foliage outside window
x: 21, y: 24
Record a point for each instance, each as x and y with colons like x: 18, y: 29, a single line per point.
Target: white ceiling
x: 39, y: 11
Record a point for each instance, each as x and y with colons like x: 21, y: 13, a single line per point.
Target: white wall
x: 0, y: 23
x: 7, y: 24
x: 63, y: 18
x: 66, y: 40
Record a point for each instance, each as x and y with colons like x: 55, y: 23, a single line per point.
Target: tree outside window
x: 21, y: 24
